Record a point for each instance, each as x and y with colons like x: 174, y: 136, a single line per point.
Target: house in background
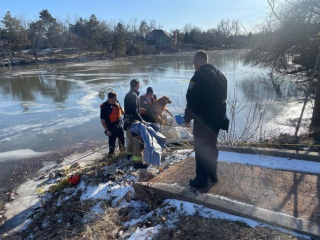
x: 159, y: 38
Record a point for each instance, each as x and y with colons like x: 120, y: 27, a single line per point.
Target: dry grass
x: 104, y: 227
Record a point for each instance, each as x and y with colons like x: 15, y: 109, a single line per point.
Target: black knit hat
x: 149, y: 90
x: 134, y: 83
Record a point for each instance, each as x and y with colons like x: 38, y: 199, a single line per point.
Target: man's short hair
x: 201, y: 56
x: 134, y: 83
x: 112, y: 95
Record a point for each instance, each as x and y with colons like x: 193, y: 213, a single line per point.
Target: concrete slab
x: 295, y: 194
x: 161, y: 191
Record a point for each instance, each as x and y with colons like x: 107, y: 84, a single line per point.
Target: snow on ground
x: 117, y: 190
x: 177, y: 157
x: 97, y: 209
x: 121, y: 192
x: 145, y: 234
x: 107, y: 191
x: 279, y: 163
x: 27, y: 200
x: 183, y: 208
x: 27, y: 197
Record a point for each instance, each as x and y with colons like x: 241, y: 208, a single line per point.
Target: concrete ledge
x: 290, y: 154
x: 154, y: 192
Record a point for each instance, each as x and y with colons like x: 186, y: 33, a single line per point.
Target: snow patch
x: 270, y: 162
x: 108, y: 190
x: 145, y: 233
x: 97, y: 209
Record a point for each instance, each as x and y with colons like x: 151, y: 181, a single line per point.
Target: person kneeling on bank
x: 110, y: 115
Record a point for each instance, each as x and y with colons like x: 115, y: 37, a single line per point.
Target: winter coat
x: 206, y: 98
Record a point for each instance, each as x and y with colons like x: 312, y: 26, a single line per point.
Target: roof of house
x: 156, y: 34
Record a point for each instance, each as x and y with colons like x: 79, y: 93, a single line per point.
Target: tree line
x: 114, y: 38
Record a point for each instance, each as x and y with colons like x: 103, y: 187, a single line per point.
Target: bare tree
x: 236, y: 27
x: 247, y: 115
x: 187, y: 28
x: 144, y: 28
x: 152, y: 25
x: 133, y: 27
x: 225, y: 27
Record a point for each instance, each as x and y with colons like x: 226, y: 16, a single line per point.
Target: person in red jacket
x: 110, y: 116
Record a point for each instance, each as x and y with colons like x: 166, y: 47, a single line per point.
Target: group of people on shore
x: 136, y: 109
x: 206, y: 105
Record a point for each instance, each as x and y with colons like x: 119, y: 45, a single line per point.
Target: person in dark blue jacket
x: 206, y: 105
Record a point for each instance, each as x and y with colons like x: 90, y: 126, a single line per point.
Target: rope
x: 87, y: 154
x: 90, y: 153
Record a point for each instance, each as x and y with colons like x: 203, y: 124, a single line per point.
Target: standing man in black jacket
x: 133, y: 114
x: 206, y: 104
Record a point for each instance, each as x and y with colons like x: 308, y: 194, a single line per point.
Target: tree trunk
x: 308, y: 92
x: 35, y: 54
x: 315, y: 122
x: 51, y: 53
x: 34, y: 47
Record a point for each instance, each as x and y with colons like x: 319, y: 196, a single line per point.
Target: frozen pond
x: 47, y: 107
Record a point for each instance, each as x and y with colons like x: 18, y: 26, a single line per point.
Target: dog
x: 159, y: 106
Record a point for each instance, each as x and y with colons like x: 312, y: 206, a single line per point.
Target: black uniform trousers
x: 206, y: 151
x: 117, y: 132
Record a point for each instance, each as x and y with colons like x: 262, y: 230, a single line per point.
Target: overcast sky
x: 171, y: 14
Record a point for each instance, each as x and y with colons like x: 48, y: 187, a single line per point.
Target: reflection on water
x: 270, y: 87
x: 51, y: 106
x: 26, y: 88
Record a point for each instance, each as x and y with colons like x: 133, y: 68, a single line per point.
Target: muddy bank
x: 28, y: 59
x: 14, y: 173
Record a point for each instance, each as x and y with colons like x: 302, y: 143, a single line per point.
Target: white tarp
x: 176, y: 133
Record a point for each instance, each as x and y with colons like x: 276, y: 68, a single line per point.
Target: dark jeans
x: 117, y: 132
x: 206, y: 151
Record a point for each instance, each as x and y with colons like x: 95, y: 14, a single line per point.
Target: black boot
x: 110, y: 155
x: 195, y: 183
x: 139, y: 165
x: 214, y: 180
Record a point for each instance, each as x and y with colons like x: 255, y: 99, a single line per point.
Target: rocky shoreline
x: 50, y: 188
x: 20, y: 171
